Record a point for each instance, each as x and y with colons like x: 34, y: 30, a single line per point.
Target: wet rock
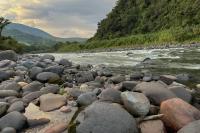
x: 103, y: 117
x: 8, y: 55
x: 14, y: 119
x: 8, y: 130
x: 33, y: 86
x: 55, y: 69
x: 192, y: 127
x: 182, y: 78
x: 34, y: 71
x: 16, y: 106
x: 3, y: 108
x: 48, y: 77
x: 178, y: 113
x: 181, y: 92
x: 128, y: 85
x: 10, y: 86
x: 58, y: 128
x: 136, y: 103
x: 50, y: 57
x: 7, y: 93
x: 152, y: 126
x: 156, y: 92
x: 49, y: 102
x: 117, y: 79
x: 37, y: 122
x: 168, y: 79
x: 111, y: 95
x: 86, y: 99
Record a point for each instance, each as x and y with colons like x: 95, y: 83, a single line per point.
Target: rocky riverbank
x: 41, y: 95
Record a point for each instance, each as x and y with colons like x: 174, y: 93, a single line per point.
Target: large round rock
x: 48, y: 77
x: 136, y: 103
x: 8, y: 55
x: 156, y: 92
x: 193, y: 127
x: 14, y: 119
x: 101, y: 117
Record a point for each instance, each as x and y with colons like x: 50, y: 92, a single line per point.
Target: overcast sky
x: 62, y: 18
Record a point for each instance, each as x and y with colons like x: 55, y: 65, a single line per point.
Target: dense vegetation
x: 131, y: 17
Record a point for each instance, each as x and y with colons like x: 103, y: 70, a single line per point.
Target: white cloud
x: 64, y: 18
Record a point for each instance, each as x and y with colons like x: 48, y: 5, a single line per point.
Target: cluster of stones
x: 39, y: 94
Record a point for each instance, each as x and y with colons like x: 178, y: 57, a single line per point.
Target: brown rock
x: 152, y: 126
x: 59, y: 128
x: 178, y: 113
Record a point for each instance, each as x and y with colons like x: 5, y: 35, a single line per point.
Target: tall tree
x: 3, y: 23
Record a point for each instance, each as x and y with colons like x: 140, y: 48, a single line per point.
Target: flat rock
x: 152, y: 126
x: 136, y: 103
x: 49, y: 102
x: 178, y: 113
x: 192, y: 127
x: 7, y: 93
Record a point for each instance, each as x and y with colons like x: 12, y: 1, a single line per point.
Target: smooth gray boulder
x: 111, y: 95
x: 32, y: 87
x: 8, y: 130
x: 65, y: 63
x: 128, y: 85
x: 86, y: 99
x: 34, y: 71
x: 14, y: 119
x: 136, y: 103
x: 7, y: 93
x: 48, y: 77
x: 55, y: 69
x: 8, y: 55
x: 16, y: 106
x: 193, y: 127
x: 156, y: 92
x: 101, y: 117
x: 47, y: 56
x: 10, y: 86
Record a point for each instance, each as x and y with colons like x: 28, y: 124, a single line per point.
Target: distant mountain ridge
x: 33, y: 36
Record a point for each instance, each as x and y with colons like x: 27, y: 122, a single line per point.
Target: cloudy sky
x: 63, y: 18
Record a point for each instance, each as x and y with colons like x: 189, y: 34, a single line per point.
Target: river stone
x: 37, y: 122
x: 83, y: 77
x: 128, y: 85
x: 182, y: 78
x: 65, y: 63
x: 34, y: 71
x: 14, y: 119
x: 7, y: 63
x: 101, y: 117
x: 152, y: 126
x: 16, y: 106
x: 168, y: 79
x: 181, y: 92
x: 3, y: 107
x: 7, y: 93
x: 87, y: 98
x: 136, y: 76
x: 8, y: 130
x: 55, y: 69
x: 8, y: 55
x: 178, y: 113
x: 193, y: 127
x: 50, y: 57
x: 33, y: 86
x: 32, y: 96
x: 10, y: 86
x: 4, y: 76
x: 136, y: 103
x: 50, y: 89
x: 49, y: 102
x: 111, y: 95
x: 117, y: 79
x: 48, y: 77
x: 156, y: 92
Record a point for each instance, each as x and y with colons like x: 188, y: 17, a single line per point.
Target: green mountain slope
x: 132, y: 17
x: 33, y: 36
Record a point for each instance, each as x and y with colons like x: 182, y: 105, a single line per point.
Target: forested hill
x: 131, y: 17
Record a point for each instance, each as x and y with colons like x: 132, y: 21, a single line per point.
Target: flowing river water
x: 166, y: 61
